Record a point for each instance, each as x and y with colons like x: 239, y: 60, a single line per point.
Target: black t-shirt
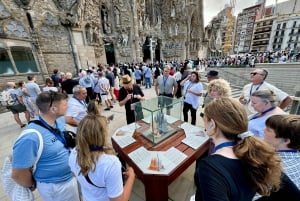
x: 67, y: 85
x: 218, y: 178
x: 135, y: 91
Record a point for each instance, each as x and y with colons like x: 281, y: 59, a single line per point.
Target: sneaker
x: 106, y: 109
x: 111, y: 106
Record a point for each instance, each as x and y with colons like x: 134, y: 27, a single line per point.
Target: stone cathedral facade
x: 37, y: 36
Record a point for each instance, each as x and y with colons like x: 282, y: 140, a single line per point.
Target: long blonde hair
x: 260, y: 161
x: 92, y: 131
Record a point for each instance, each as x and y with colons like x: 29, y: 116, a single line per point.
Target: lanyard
x: 82, y: 102
x: 224, y: 144
x: 188, y: 87
x: 288, y: 150
x: 257, y: 88
x: 263, y: 113
x: 131, y: 99
x: 54, y: 131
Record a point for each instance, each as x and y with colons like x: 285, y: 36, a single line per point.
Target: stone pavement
x: 180, y: 190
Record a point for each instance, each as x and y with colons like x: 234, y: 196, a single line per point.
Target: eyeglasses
x: 254, y: 73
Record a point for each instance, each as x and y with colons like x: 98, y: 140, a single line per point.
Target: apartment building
x: 285, y: 33
x: 245, y: 27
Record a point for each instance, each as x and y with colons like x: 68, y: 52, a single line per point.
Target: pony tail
x: 263, y: 164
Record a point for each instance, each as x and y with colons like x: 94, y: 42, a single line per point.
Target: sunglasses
x: 254, y: 73
x: 52, y: 94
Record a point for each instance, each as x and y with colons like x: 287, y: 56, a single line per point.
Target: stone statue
x: 173, y: 9
x: 96, y: 35
x: 176, y: 29
x: 105, y: 15
x: 124, y: 39
x: 80, y: 10
x: 147, y: 24
x: 89, y: 34
x: 117, y: 12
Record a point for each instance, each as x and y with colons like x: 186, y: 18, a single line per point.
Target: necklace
x: 224, y: 144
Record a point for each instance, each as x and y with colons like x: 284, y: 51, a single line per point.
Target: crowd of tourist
x: 254, y: 144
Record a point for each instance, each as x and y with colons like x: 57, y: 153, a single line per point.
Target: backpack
x: 87, y: 80
x: 6, y: 98
x: 15, y: 191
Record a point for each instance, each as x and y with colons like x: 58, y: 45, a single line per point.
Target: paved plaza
x: 180, y: 190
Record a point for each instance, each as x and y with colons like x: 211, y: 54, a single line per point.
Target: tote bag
x: 15, y: 191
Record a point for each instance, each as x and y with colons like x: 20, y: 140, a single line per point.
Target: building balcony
x: 294, y: 34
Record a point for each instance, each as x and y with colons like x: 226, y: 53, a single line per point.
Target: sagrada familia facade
x: 37, y: 36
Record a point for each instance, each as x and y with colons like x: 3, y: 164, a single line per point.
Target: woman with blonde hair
x: 219, y: 88
x: 94, y: 164
x: 241, y: 164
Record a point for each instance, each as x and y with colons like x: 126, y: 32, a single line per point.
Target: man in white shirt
x: 258, y: 77
x: 77, y: 107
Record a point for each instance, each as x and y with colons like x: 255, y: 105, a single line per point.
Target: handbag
x: 15, y: 191
x: 69, y: 136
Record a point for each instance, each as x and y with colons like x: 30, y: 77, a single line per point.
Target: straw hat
x: 126, y: 79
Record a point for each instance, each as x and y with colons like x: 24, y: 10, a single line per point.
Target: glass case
x: 160, y: 113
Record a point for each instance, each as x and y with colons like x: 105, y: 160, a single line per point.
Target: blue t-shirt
x: 52, y: 166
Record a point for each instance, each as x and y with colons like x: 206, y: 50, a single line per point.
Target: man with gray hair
x: 258, y: 77
x: 166, y: 85
x: 77, y: 107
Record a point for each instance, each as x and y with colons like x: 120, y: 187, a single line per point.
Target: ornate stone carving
x: 125, y: 52
x: 105, y: 20
x: 51, y: 20
x: 117, y: 15
x: 65, y: 5
x: 16, y: 29
x: 123, y: 39
x: 92, y: 34
x: 23, y: 2
x: 4, y: 13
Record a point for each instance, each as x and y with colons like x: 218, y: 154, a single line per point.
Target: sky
x: 213, y: 7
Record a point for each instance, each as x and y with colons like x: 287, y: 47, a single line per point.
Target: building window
x: 292, y: 31
x: 24, y: 59
x: 278, y: 26
x: 294, y: 24
x: 6, y: 66
x: 284, y: 25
